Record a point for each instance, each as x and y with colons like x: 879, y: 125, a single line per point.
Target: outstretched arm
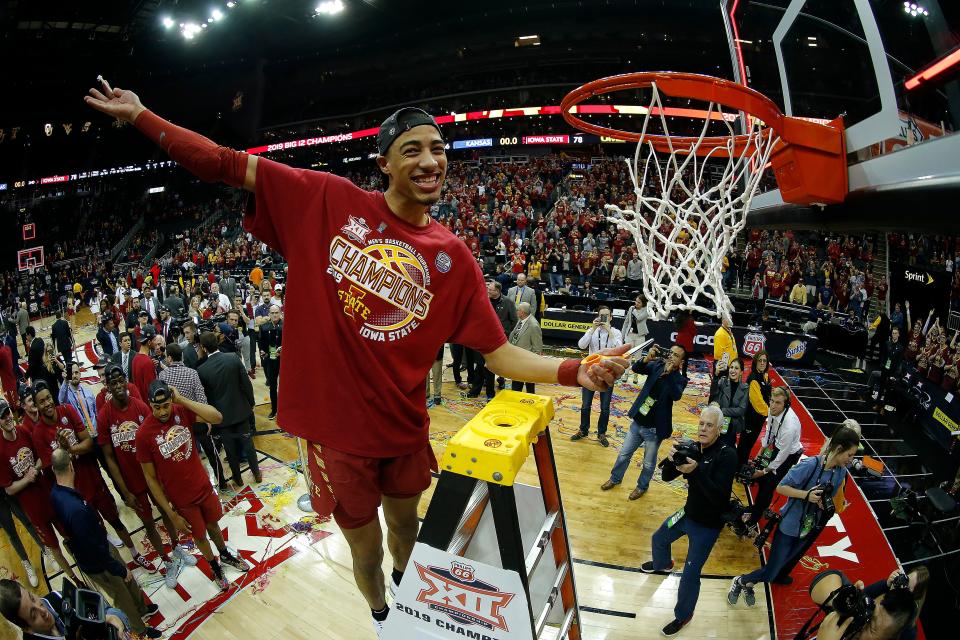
x: 197, y: 154
x: 515, y: 363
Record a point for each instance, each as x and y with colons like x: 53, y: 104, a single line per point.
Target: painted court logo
x: 382, y: 286
x: 457, y: 593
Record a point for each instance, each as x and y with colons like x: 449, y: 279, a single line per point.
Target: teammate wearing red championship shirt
x: 118, y: 422
x: 167, y: 453
x: 61, y: 426
x: 388, y: 285
x: 20, y: 476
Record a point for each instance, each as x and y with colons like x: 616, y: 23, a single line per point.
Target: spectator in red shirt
x: 167, y: 452
x: 142, y: 368
x: 294, y: 212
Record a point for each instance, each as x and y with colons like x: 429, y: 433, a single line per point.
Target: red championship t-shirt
x: 119, y: 428
x: 88, y: 479
x: 143, y: 372
x: 171, y: 448
x: 370, y: 299
x: 16, y: 457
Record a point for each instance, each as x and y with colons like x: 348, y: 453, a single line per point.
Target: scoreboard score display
x: 549, y: 138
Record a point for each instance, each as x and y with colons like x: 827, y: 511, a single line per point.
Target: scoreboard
x: 548, y: 138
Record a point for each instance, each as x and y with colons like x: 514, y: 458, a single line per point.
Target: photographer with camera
x: 41, y: 617
x: 781, y: 449
x: 729, y: 391
x: 810, y: 487
x: 96, y: 557
x: 708, y: 465
x: 652, y: 414
x: 915, y: 581
x: 599, y: 337
x: 852, y: 614
x: 758, y: 383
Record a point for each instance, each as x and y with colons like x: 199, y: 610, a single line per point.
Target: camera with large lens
x: 850, y: 602
x: 686, y: 448
x: 773, y: 519
x: 83, y: 614
x: 746, y: 472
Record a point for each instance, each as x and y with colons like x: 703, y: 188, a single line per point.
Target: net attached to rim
x: 685, y: 220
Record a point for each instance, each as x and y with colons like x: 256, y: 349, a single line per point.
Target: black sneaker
x: 152, y: 609
x: 151, y: 632
x: 602, y: 439
x: 674, y: 627
x: 647, y: 567
x: 272, y: 416
x: 236, y: 562
x: 437, y: 401
x: 579, y: 435
x: 749, y: 597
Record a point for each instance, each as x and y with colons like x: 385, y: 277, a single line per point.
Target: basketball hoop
x: 684, y: 229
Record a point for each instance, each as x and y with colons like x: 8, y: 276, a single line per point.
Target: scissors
x: 596, y: 358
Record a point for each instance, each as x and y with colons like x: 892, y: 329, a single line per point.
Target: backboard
x: 30, y: 259
x: 823, y: 58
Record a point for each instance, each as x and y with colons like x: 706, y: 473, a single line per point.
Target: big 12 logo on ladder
x: 753, y: 344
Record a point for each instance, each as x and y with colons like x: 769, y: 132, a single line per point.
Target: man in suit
x: 228, y: 284
x: 62, y: 338
x: 190, y: 344
x: 35, y: 353
x: 109, y: 337
x: 526, y: 335
x: 130, y: 321
x: 228, y: 387
x: 166, y: 324
x: 124, y: 356
x: 23, y: 321
x: 522, y: 293
x: 652, y: 414
x: 174, y: 302
x: 150, y: 304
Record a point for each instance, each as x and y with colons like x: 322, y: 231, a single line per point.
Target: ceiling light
x: 330, y: 7
x: 216, y: 14
x: 231, y: 5
x: 167, y: 22
x: 188, y: 35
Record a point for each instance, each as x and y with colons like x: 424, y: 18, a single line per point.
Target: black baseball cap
x: 159, y: 391
x: 113, y: 371
x: 147, y: 334
x: 4, y: 407
x: 399, y: 121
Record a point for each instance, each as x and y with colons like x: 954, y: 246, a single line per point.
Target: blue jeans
x: 651, y: 444
x: 700, y: 541
x: 782, y: 549
x: 586, y: 400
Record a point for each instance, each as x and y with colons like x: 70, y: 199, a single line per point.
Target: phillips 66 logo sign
x: 753, y: 344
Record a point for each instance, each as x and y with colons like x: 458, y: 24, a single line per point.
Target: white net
x: 687, y: 218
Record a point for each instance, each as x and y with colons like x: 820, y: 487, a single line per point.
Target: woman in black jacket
x: 729, y: 392
x: 758, y: 383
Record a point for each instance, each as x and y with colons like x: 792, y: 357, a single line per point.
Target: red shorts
x: 201, y: 513
x: 102, y: 501
x: 349, y: 487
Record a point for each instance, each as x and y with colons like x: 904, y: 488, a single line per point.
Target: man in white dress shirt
x: 600, y: 336
x: 780, y: 449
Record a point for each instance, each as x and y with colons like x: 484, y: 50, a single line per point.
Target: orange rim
x: 679, y: 85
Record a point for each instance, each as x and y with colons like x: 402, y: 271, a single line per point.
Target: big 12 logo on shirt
x: 753, y: 344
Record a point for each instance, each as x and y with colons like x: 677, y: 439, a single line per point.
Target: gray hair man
x: 710, y: 480
x: 526, y: 335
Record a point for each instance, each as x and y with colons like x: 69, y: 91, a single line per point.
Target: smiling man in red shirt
x: 389, y: 286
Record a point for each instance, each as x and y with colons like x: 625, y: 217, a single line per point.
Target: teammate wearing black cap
x: 386, y: 286
x: 119, y: 420
x: 167, y: 452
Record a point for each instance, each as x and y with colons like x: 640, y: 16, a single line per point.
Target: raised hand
x: 117, y: 103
